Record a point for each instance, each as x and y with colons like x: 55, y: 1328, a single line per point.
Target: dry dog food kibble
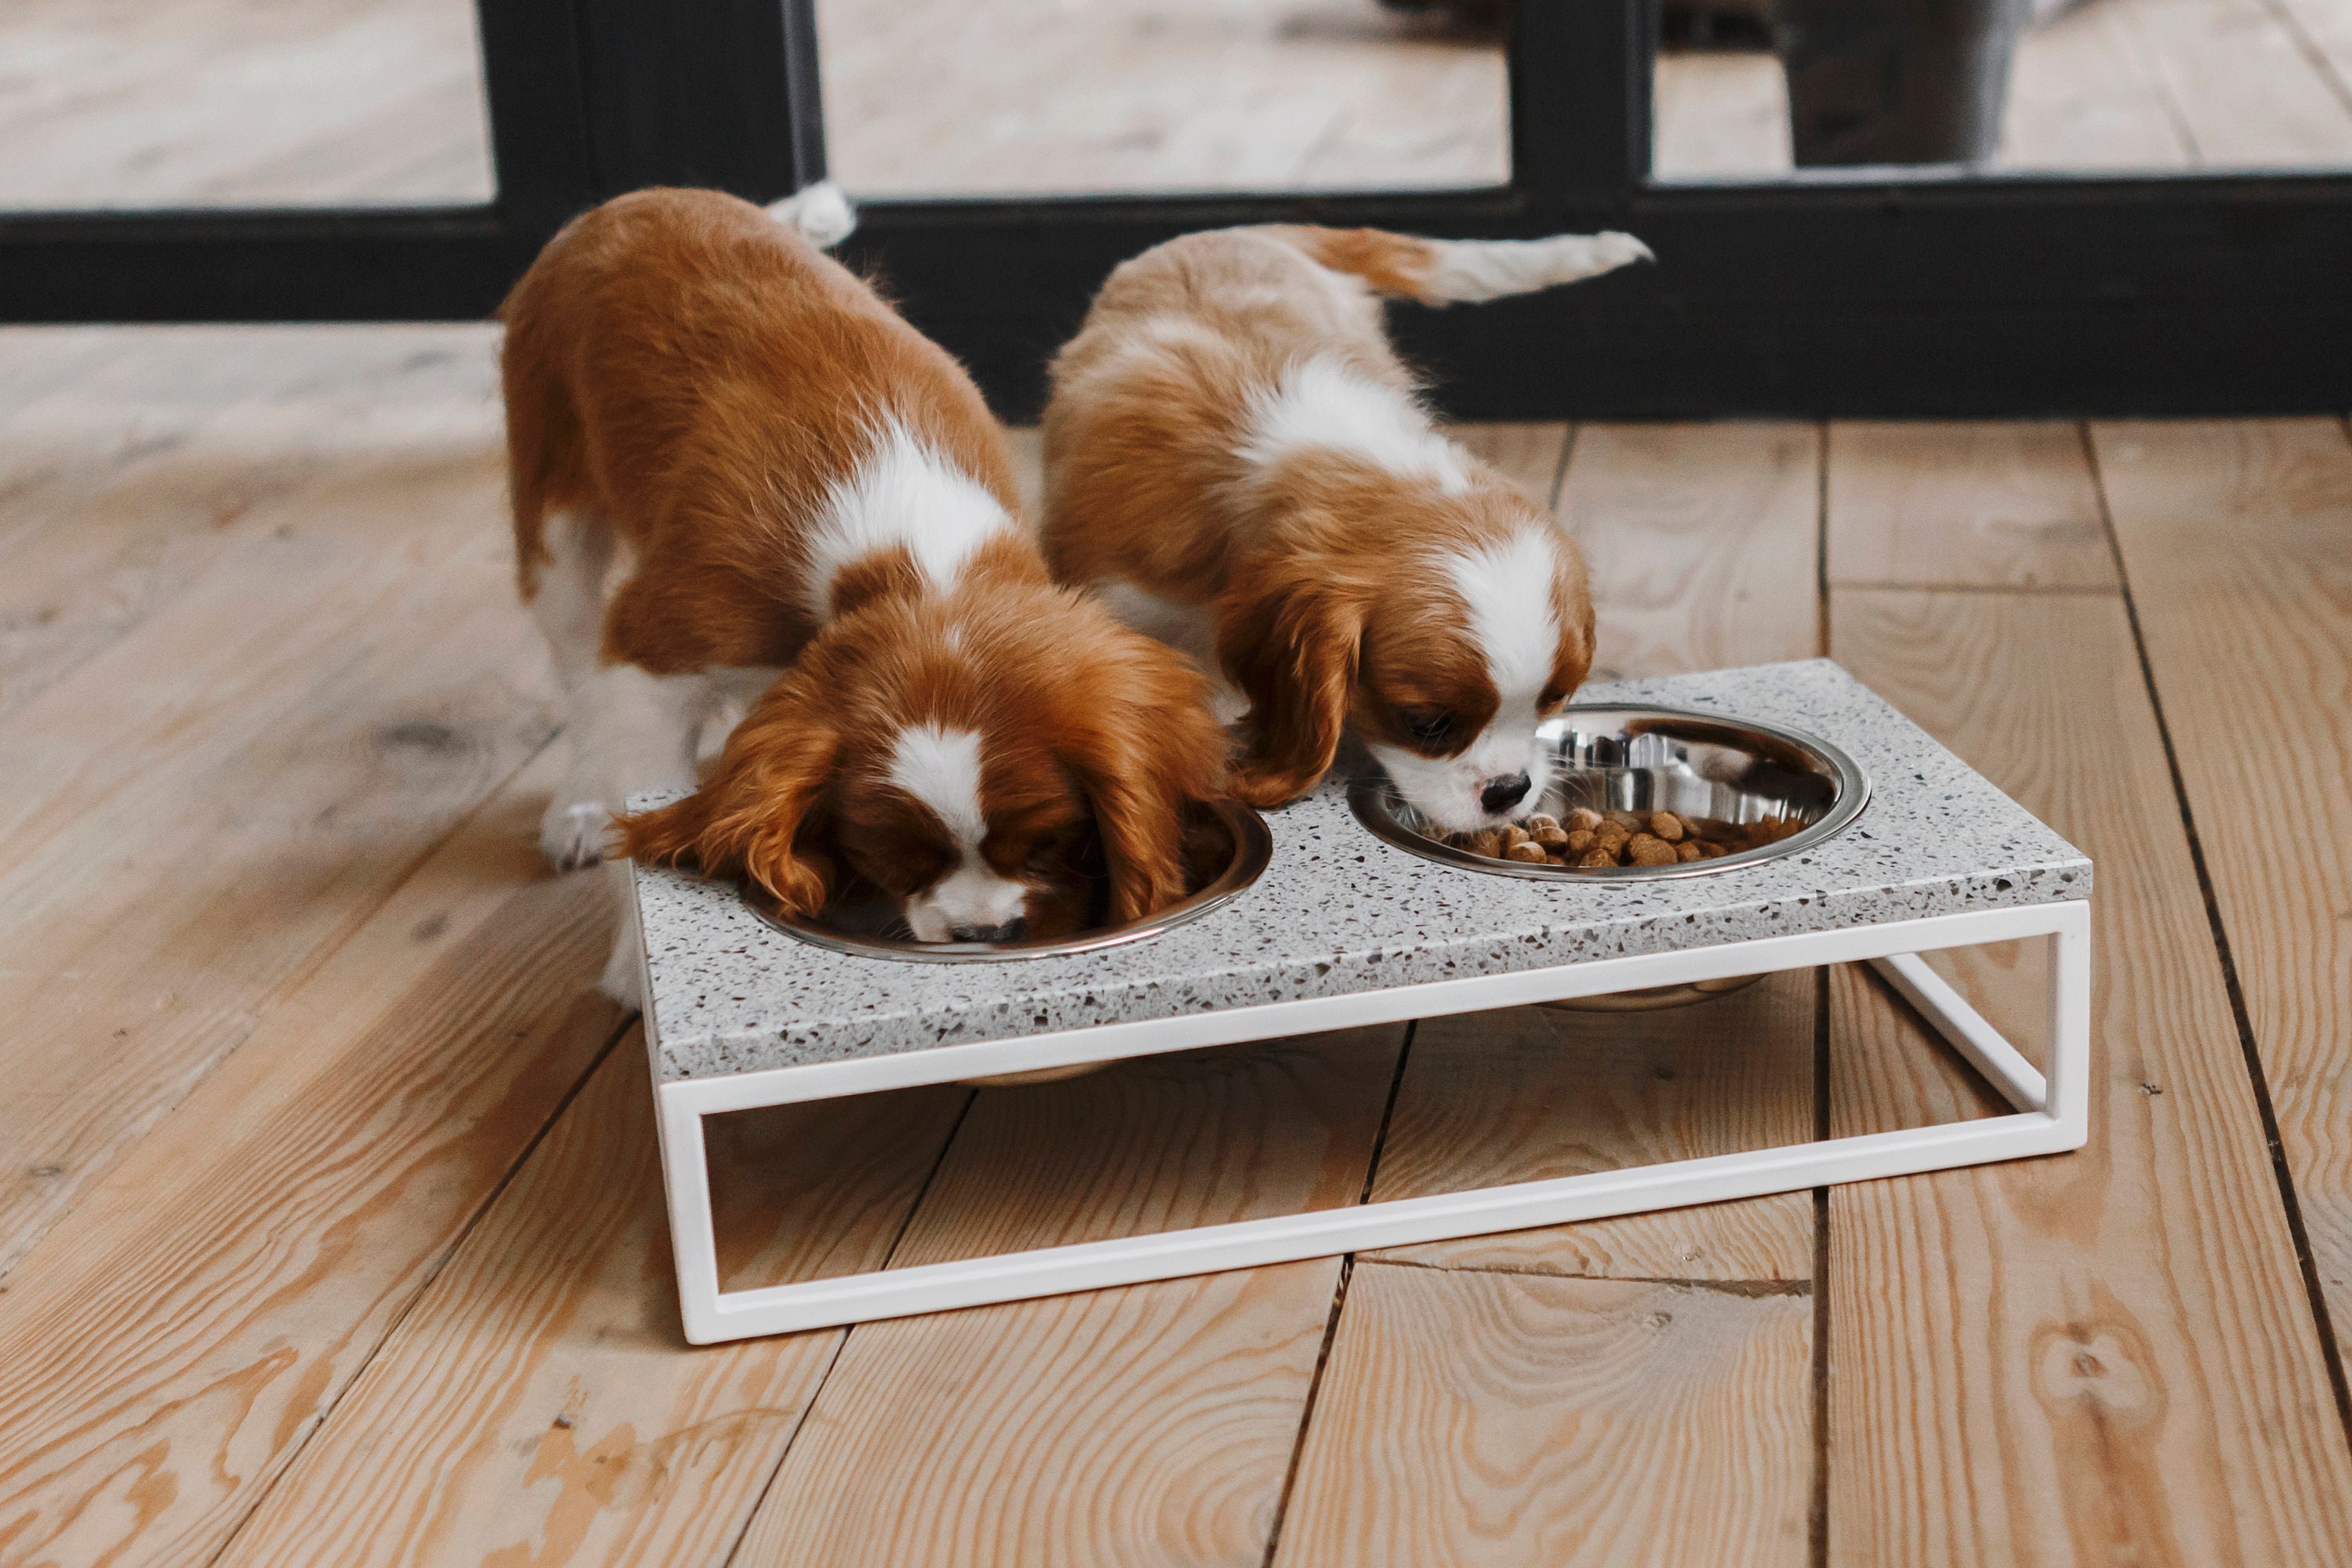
x: 1591, y: 840
x: 1646, y: 850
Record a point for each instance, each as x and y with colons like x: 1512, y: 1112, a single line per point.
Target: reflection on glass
x: 171, y: 103
x: 996, y: 96
x: 2091, y: 85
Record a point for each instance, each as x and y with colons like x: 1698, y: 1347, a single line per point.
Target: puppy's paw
x: 1612, y: 249
x: 574, y: 833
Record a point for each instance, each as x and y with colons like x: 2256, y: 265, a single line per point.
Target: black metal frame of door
x: 1876, y: 292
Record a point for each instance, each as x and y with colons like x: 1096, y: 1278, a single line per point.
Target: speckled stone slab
x: 1339, y: 911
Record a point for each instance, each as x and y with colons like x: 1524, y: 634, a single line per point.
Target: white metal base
x: 2051, y: 1117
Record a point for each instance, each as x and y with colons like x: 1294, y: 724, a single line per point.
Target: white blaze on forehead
x: 902, y: 492
x: 941, y: 767
x: 1320, y: 404
x: 1507, y: 590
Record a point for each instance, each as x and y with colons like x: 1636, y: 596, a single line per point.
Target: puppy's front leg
x: 631, y: 732
x: 638, y: 733
x: 564, y: 587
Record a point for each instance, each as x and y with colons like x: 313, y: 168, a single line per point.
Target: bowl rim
x: 1370, y: 797
x: 1252, y: 851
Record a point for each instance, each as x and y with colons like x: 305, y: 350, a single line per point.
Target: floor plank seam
x: 963, y: 1114
x: 2151, y: 71
x: 293, y: 1454
x: 1559, y: 473
x: 1959, y: 1064
x: 289, y: 985
x: 840, y: 1339
x: 1307, y: 1409
x: 2248, y: 1048
x: 1388, y: 1111
x: 1339, y: 1303
x: 2324, y: 67
x: 808, y: 1408
x: 1817, y: 1523
x: 1753, y: 1290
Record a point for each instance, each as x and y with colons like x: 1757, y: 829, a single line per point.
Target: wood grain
x: 1028, y: 444
x: 148, y: 935
x: 1718, y: 114
x: 242, y: 103
x: 1148, y: 1425
x: 2241, y: 84
x: 2108, y: 1356
x: 170, y: 1343
x: 2327, y: 26
x: 1531, y: 456
x: 538, y: 1407
x: 2081, y: 97
x: 245, y: 101
x: 1703, y: 541
x: 198, y: 813
x: 1531, y: 1093
x: 130, y: 480
x: 803, y: 1191
x: 1123, y: 95
x: 1473, y: 1418
x: 1978, y: 505
x: 2122, y: 84
x: 2237, y: 539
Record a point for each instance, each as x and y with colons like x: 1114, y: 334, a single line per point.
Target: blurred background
x: 135, y: 103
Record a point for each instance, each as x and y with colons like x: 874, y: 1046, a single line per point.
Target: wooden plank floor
x: 332, y: 1231
x: 2108, y: 85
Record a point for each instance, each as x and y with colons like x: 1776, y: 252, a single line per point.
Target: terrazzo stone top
x: 1339, y: 911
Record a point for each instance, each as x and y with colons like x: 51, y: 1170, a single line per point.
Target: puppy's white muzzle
x: 1449, y: 791
x: 969, y: 900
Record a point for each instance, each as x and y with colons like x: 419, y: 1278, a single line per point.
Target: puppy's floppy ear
x: 746, y: 821
x: 1290, y: 637
x: 1144, y: 748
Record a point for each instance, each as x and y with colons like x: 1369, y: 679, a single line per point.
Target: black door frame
x: 1852, y: 294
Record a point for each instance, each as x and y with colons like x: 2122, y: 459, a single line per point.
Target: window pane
x: 2089, y: 86
x: 141, y: 103
x: 995, y: 97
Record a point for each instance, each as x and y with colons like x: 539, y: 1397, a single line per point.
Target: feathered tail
x: 1462, y: 271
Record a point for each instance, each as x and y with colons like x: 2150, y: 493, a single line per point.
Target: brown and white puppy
x: 799, y: 495
x: 1239, y: 463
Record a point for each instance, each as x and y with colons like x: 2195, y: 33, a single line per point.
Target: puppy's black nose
x: 1501, y: 795
x: 1010, y: 930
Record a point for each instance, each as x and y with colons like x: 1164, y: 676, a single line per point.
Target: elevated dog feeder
x: 1344, y: 928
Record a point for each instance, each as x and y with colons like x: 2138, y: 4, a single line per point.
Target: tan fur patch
x: 698, y: 379
x: 1324, y: 574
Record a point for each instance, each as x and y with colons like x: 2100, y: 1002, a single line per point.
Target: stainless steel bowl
x: 1251, y: 847
x: 1657, y: 759
x: 1610, y: 758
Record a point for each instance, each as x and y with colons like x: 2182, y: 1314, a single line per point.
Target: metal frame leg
x: 2052, y: 1115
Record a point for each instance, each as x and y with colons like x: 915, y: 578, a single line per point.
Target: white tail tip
x: 1469, y: 270
x: 819, y: 214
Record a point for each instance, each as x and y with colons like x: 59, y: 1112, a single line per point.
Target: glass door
x: 1868, y: 207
